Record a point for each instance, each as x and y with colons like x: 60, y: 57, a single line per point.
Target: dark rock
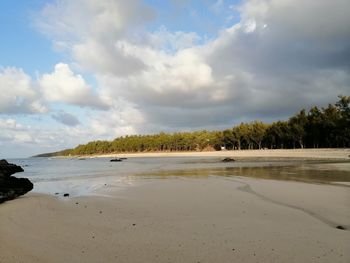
x: 116, y: 160
x: 8, y: 169
x: 66, y: 195
x: 228, y: 160
x: 57, y: 193
x: 340, y: 227
x: 10, y: 186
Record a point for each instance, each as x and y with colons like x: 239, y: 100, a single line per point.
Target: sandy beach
x: 188, y: 219
x: 309, y: 154
x: 182, y: 220
x: 144, y: 131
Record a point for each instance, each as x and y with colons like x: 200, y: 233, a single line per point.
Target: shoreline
x: 305, y: 154
x: 182, y: 220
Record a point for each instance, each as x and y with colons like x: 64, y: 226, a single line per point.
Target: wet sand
x: 215, y: 219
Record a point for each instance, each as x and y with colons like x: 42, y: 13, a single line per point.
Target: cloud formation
x: 18, y: 93
x: 19, y: 139
x: 12, y: 131
x: 280, y: 56
x: 66, y: 118
x: 63, y: 86
x: 23, y: 95
x: 89, y: 30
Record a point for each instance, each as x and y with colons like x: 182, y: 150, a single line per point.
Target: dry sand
x: 182, y: 220
x: 341, y: 154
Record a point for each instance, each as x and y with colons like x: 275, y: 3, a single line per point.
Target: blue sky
x: 22, y: 45
x: 203, y: 17
x: 75, y: 71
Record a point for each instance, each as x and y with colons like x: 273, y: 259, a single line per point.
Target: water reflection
x: 300, y: 171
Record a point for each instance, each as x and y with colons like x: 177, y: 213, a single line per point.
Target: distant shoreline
x: 307, y: 154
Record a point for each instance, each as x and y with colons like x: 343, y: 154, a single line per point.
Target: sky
x: 82, y: 70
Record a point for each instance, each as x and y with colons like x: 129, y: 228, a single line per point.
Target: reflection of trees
x: 299, y: 172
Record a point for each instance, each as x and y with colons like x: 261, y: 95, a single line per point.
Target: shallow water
x: 304, y: 172
x: 94, y: 175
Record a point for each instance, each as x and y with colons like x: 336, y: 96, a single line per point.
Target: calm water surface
x: 94, y: 175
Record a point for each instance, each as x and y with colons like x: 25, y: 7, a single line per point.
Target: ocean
x: 98, y: 176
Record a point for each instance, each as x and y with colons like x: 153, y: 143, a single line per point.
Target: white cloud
x: 249, y: 26
x: 18, y: 139
x: 309, y: 19
x: 9, y: 124
x: 18, y: 93
x: 66, y: 20
x: 281, y: 56
x: 88, y: 30
x: 22, y: 95
x: 103, y: 58
x: 64, y: 86
x: 122, y: 119
x: 15, y: 132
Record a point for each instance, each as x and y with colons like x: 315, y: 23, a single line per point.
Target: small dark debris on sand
x: 116, y: 160
x: 228, y: 160
x: 341, y: 228
x: 66, y: 195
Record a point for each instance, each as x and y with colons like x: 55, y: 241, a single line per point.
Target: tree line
x: 317, y: 128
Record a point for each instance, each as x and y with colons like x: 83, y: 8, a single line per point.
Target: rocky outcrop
x: 10, y: 186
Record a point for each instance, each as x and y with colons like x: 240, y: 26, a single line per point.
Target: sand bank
x: 182, y: 220
x: 340, y: 154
